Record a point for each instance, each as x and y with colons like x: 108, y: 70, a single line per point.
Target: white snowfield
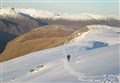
x: 45, y: 14
x: 94, y: 59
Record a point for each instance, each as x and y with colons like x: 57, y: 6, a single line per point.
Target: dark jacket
x: 68, y: 57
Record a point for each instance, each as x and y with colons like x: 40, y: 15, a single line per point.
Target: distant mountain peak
x: 50, y: 14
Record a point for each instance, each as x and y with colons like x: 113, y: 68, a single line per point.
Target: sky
x: 104, y: 7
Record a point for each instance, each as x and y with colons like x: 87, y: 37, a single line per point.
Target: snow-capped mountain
x: 14, y: 12
x: 94, y: 59
x: 20, y: 20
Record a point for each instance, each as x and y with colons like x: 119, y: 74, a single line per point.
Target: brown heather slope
x: 35, y: 40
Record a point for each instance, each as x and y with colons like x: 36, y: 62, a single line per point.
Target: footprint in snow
x: 38, y: 68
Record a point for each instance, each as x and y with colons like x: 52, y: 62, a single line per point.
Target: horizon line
x: 57, y: 1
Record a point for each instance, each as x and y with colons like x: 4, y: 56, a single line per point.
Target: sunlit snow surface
x: 94, y: 59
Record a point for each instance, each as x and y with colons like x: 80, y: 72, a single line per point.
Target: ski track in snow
x: 79, y: 75
x: 83, y: 77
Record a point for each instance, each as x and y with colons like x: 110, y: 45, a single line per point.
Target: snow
x: 45, y: 14
x: 100, y: 33
x: 95, y: 65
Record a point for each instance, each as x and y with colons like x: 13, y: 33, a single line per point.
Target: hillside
x: 94, y: 59
x: 35, y: 40
x: 14, y: 24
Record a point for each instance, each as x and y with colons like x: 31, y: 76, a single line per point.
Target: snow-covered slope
x: 88, y: 64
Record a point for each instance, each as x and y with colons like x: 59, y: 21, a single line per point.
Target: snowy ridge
x: 106, y: 34
x: 45, y: 14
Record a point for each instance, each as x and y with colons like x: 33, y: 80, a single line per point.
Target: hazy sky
x: 105, y: 7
